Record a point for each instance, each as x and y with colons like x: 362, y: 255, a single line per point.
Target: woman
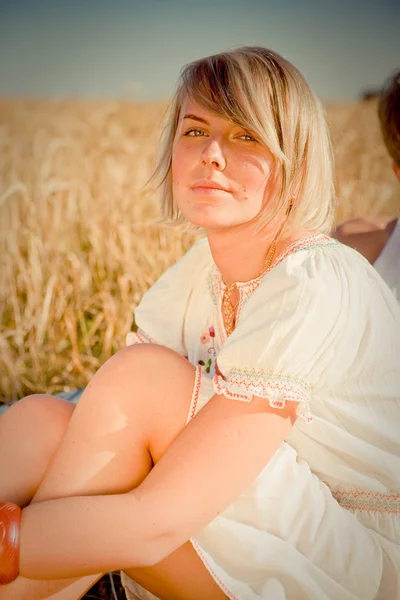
x: 245, y: 444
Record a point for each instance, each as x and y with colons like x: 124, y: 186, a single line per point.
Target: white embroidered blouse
x: 322, y: 520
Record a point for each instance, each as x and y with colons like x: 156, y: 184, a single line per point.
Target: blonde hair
x: 389, y: 116
x: 265, y: 94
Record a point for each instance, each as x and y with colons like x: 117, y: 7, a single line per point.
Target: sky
x: 130, y: 49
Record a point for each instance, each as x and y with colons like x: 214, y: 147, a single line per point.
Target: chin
x: 210, y: 216
x: 211, y: 221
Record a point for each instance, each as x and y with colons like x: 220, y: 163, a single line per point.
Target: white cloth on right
x: 320, y: 327
x: 388, y: 262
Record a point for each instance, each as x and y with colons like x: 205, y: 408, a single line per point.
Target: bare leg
x: 126, y: 419
x: 30, y: 434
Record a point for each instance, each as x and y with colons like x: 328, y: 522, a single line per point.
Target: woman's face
x: 210, y: 151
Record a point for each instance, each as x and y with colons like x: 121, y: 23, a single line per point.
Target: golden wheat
x: 79, y: 238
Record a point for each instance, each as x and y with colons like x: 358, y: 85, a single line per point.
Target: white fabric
x: 388, y: 262
x: 322, y: 520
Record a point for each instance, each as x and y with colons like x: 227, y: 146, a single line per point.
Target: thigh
x: 138, y: 398
x: 180, y: 576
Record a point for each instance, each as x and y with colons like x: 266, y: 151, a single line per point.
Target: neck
x: 240, y: 255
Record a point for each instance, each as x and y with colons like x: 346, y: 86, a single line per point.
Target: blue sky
x: 135, y: 49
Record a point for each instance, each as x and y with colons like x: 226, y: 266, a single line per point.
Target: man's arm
x: 366, y: 235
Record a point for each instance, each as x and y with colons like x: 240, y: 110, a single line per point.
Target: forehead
x: 191, y: 107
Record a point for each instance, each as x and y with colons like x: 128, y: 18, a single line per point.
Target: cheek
x: 178, y: 166
x: 179, y: 180
x: 175, y: 165
x: 254, y: 180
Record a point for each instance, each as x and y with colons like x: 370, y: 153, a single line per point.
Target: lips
x: 207, y: 184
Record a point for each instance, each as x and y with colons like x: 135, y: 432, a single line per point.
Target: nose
x: 213, y: 155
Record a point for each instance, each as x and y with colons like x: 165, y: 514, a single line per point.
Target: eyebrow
x: 196, y: 118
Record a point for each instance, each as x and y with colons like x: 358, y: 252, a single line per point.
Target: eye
x: 194, y: 132
x: 249, y: 137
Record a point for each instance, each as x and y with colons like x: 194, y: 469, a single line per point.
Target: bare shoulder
x: 367, y: 235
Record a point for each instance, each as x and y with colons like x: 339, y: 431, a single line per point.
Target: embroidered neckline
x: 217, y: 286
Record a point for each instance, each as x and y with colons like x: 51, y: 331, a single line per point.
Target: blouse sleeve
x: 284, y: 346
x: 160, y: 315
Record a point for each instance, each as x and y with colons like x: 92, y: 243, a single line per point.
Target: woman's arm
x: 217, y: 455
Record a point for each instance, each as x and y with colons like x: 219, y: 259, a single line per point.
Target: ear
x: 396, y: 170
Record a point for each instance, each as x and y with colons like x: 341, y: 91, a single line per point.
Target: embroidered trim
x: 318, y: 240
x: 138, y: 337
x: 368, y: 501
x: 277, y: 388
x: 208, y: 337
x: 195, y: 394
x: 213, y: 574
x: 217, y: 286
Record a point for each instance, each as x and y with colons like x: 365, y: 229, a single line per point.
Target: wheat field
x: 80, y: 237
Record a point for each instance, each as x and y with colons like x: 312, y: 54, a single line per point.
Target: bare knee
x: 144, y: 373
x: 40, y: 410
x: 37, y: 422
x: 31, y: 430
x: 164, y: 383
x: 148, y: 356
x: 150, y: 364
x: 155, y: 371
x: 149, y: 384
